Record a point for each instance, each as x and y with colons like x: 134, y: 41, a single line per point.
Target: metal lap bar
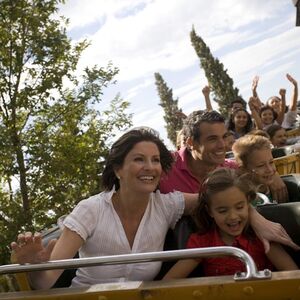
x: 251, y: 270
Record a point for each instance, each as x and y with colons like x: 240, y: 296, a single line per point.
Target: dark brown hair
x: 121, y: 148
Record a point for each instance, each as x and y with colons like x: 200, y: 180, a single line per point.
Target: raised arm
x: 254, y: 112
x: 280, y: 117
x: 29, y: 249
x: 254, y: 89
x: 206, y: 92
x: 293, y: 104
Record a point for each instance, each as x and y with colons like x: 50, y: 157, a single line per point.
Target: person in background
x: 240, y: 123
x: 222, y: 217
x: 266, y: 116
x: 278, y: 135
x: 290, y: 112
x: 229, y: 141
x: 129, y: 216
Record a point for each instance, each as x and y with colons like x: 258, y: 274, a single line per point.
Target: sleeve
x: 196, y: 241
x: 83, y: 218
x: 173, y: 206
x: 289, y: 119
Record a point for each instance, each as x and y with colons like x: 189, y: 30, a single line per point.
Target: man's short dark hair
x: 191, y: 127
x: 238, y: 100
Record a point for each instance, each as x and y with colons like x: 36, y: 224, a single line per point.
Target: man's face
x: 211, y: 146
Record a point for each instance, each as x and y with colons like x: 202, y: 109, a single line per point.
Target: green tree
x: 52, y: 139
x: 220, y: 82
x: 173, y: 114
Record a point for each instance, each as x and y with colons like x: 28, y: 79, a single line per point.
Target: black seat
x: 288, y: 215
x: 292, y: 182
x: 281, y: 151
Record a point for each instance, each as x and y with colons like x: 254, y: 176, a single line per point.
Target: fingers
x: 266, y: 245
x: 26, y: 238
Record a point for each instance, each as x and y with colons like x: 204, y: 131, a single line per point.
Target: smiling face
x: 211, y: 146
x: 240, y: 119
x: 230, y: 211
x: 261, y: 165
x: 267, y: 117
x: 275, y: 103
x: 280, y: 137
x: 141, y: 169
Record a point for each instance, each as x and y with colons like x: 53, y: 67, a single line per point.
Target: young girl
x: 240, y: 123
x: 223, y: 220
x: 253, y: 155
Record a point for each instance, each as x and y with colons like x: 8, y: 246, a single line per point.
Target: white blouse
x: 97, y: 222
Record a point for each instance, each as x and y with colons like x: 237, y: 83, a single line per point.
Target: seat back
x: 292, y: 182
x: 288, y: 164
x: 288, y: 215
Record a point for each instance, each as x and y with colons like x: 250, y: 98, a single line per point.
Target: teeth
x: 146, y: 177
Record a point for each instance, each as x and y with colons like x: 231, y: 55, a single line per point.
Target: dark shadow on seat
x: 177, y: 239
x: 282, y: 151
x: 292, y: 182
x: 288, y: 215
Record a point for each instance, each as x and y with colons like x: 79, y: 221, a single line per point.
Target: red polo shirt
x: 180, y: 178
x: 218, y: 266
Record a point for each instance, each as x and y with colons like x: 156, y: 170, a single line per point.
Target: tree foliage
x: 170, y: 106
x: 52, y: 139
x: 220, y: 82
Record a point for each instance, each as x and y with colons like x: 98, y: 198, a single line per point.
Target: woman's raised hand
x: 29, y: 248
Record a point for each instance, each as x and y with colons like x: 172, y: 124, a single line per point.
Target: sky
x: 142, y: 37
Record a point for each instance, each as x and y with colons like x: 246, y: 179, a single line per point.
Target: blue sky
x: 142, y: 37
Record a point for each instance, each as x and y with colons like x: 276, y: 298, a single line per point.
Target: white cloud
x: 143, y: 37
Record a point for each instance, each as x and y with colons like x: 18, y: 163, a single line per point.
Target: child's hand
x: 282, y: 92
x: 206, y: 91
x: 255, y: 83
x: 291, y: 79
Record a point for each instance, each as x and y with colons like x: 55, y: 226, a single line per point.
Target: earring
x: 118, y: 177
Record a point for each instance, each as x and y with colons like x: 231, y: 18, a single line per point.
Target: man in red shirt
x: 205, y: 135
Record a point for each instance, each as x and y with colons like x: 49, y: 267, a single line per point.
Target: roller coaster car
x: 252, y: 285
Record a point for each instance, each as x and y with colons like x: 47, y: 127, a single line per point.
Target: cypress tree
x: 170, y: 106
x: 220, y: 82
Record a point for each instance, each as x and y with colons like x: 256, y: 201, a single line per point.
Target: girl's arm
x: 280, y: 258
x: 206, y: 92
x: 182, y: 269
x: 269, y: 231
x: 280, y: 117
x: 29, y: 249
x: 293, y: 104
x: 254, y: 112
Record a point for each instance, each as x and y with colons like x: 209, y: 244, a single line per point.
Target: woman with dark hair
x: 240, y: 123
x: 129, y: 216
